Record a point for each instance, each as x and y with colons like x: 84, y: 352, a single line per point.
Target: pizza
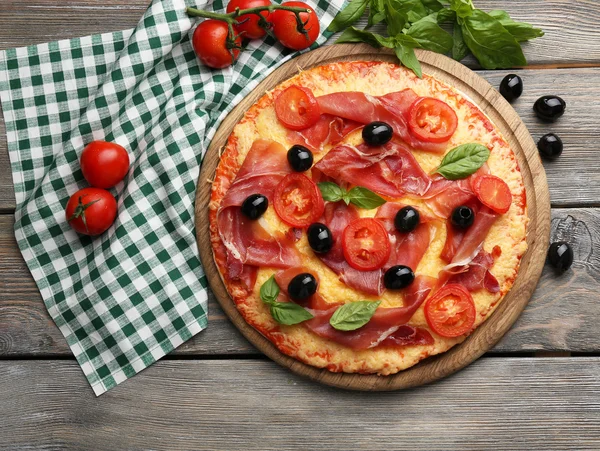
x: 363, y: 219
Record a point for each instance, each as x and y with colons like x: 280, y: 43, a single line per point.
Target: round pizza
x: 363, y: 219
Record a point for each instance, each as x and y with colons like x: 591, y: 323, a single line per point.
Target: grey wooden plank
x: 561, y: 316
x: 508, y: 404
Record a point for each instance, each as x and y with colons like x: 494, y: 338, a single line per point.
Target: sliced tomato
x: 298, y: 201
x: 493, y: 192
x: 366, y: 244
x: 297, y: 108
x: 451, y: 311
x: 432, y: 120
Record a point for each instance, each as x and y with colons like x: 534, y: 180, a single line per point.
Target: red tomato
x: 210, y: 44
x: 493, y: 192
x: 91, y: 211
x: 432, y: 120
x: 104, y: 164
x: 366, y: 244
x: 285, y: 27
x: 248, y: 23
x: 297, y: 108
x: 298, y: 201
x: 451, y: 311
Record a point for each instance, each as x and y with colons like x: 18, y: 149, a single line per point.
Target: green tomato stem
x: 231, y: 17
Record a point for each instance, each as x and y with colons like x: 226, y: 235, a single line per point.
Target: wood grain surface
x: 538, y: 208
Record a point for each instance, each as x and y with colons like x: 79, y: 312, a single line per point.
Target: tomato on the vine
x: 285, y: 26
x: 248, y: 23
x: 104, y: 164
x: 91, y: 211
x: 212, y: 44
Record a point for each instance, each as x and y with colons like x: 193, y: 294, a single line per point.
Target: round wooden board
x: 538, y: 203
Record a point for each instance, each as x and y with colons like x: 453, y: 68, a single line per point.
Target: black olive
x: 300, y: 158
x: 377, y: 133
x: 550, y: 146
x: 302, y: 286
x: 511, y: 87
x: 560, y: 255
x: 549, y: 108
x: 319, y: 238
x: 463, y: 217
x: 407, y: 219
x: 255, y: 205
x: 398, y: 277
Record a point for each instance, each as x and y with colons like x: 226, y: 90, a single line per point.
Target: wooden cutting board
x: 538, y: 203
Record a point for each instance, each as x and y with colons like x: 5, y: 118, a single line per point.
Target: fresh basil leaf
x: 446, y: 15
x: 463, y: 8
x: 493, y: 46
x: 353, y: 315
x: 365, y: 198
x: 433, y: 5
x: 352, y: 34
x: 348, y: 15
x: 521, y: 31
x: 459, y: 48
x: 430, y: 36
x: 288, y: 313
x: 417, y: 11
x: 462, y: 161
x: 406, y: 54
x: 376, y: 12
x: 330, y: 191
x: 269, y: 291
x: 395, y: 17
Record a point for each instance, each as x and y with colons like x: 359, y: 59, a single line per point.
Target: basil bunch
x: 360, y: 196
x: 286, y: 313
x: 493, y: 38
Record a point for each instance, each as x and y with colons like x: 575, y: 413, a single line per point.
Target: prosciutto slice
x: 328, y: 130
x: 390, y: 170
x: 391, y: 108
x: 248, y: 245
x: 477, y: 274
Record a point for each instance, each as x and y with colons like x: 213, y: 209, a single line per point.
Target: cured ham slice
x: 473, y: 240
x: 391, y: 108
x: 477, y: 275
x: 248, y: 244
x: 328, y: 130
x: 390, y: 170
x: 408, y: 335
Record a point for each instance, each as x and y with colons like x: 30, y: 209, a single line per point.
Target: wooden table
x: 538, y: 388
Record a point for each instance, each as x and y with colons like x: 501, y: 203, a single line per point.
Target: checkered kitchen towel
x: 126, y: 298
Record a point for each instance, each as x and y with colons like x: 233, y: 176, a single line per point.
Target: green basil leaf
x: 433, y: 5
x: 493, y: 46
x: 459, y: 48
x: 376, y: 12
x: 365, y: 198
x: 352, y: 34
x: 430, y: 36
x: 269, y: 291
x: 407, y: 56
x: 446, y: 15
x: 353, y: 315
x: 462, y: 161
x: 463, y: 8
x: 395, y: 17
x: 417, y: 11
x: 331, y: 192
x: 289, y: 313
x: 521, y: 31
x: 348, y: 15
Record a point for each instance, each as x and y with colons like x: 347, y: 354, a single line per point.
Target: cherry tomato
x: 451, y: 311
x: 248, y: 23
x: 298, y: 201
x: 432, y: 120
x: 91, y: 211
x: 210, y: 44
x: 297, y: 108
x: 285, y: 27
x: 104, y: 164
x: 493, y: 192
x: 366, y: 244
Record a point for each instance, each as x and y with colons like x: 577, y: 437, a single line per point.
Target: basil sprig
x: 353, y: 315
x: 493, y: 38
x: 286, y: 313
x: 462, y: 161
x: 360, y: 196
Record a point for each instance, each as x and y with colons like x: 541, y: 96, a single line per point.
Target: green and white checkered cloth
x: 128, y: 297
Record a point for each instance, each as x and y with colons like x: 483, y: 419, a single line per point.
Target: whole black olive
x: 377, y: 133
x: 549, y: 108
x: 398, y: 277
x: 462, y: 217
x: 560, y: 255
x: 511, y: 87
x: 407, y: 219
x: 302, y: 286
x: 255, y: 205
x: 550, y: 146
x: 319, y: 238
x: 300, y: 158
